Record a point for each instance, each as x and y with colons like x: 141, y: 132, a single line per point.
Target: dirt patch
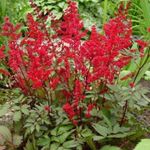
x: 146, y: 84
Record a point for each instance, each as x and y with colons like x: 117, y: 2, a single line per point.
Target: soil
x: 145, y: 116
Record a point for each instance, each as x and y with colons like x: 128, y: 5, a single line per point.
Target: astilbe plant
x: 63, y: 67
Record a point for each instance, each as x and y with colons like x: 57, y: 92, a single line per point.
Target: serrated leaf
x: 5, y: 133
x: 90, y: 142
x: 63, y: 129
x: 4, y: 109
x: 101, y: 129
x: 106, y: 115
x: 120, y: 135
x: 86, y: 133
x: 29, y: 146
x: 44, y: 141
x: 70, y: 144
x: 98, y: 138
x: 63, y: 137
x: 25, y: 110
x: 54, y: 146
x: 54, y: 131
x: 17, y: 116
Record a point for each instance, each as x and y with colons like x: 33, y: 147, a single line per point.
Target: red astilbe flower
x: 78, y: 93
x: 9, y: 30
x: 89, y: 109
x: 105, y: 52
x: 30, y: 58
x: 2, y: 55
x: 70, y: 112
x: 71, y: 26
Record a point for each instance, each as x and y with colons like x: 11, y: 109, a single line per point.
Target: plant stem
x: 147, y: 58
x: 124, y: 113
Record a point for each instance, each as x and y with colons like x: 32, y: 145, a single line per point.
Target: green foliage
x: 5, y: 133
x: 147, y: 75
x: 93, y: 12
x: 145, y: 143
x: 109, y: 128
x: 139, y: 13
x: 110, y: 148
x: 52, y: 130
x: 137, y: 67
x: 9, y: 139
x: 21, y: 8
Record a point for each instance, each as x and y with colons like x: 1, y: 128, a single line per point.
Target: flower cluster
x: 68, y: 64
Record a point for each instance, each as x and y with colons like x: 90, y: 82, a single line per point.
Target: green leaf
x: 86, y: 132
x: 5, y: 133
x: 70, y: 144
x: 101, y: 129
x: 44, y: 141
x: 20, y: 98
x: 54, y: 131
x: 143, y: 70
x: 61, y: 4
x: 107, y: 117
x: 29, y: 146
x: 25, y: 110
x: 108, y: 147
x: 98, y: 138
x: 54, y: 146
x: 147, y: 75
x: 145, y: 4
x: 3, y: 7
x: 90, y: 142
x: 120, y: 135
x: 63, y: 129
x: 144, y: 144
x: 4, y: 109
x: 63, y: 137
x: 17, y: 116
x: 17, y: 139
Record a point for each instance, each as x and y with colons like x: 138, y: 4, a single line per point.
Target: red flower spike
x: 71, y: 26
x: 69, y: 110
x: 89, y: 109
x: 2, y: 48
x: 54, y: 82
